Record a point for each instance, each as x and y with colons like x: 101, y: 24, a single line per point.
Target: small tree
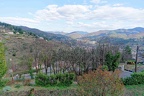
x: 112, y: 61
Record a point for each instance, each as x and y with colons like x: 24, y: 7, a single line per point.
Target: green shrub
x: 18, y: 86
x: 135, y: 79
x: 104, y: 67
x: 53, y: 80
x: 3, y: 82
x: 41, y: 79
x: 7, y: 88
x: 71, y: 76
x: 65, y: 79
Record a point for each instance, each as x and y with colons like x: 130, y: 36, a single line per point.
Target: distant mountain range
x: 137, y: 32
x: 116, y: 36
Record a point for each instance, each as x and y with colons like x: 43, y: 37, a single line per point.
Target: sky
x: 73, y: 15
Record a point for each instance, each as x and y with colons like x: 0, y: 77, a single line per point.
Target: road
x: 125, y: 74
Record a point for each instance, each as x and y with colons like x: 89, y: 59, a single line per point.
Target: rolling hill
x: 76, y: 34
x: 49, y: 35
x: 137, y: 32
x: 38, y: 33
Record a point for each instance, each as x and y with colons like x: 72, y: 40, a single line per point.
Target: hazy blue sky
x: 72, y: 15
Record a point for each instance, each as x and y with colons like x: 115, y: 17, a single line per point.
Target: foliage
x: 6, y: 88
x: 3, y: 82
x: 112, y: 61
x: 100, y: 83
x: 41, y: 79
x: 3, y: 66
x: 18, y: 85
x: 104, y: 67
x: 135, y: 79
x: 64, y: 79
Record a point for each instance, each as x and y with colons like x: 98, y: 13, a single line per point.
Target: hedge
x: 65, y: 79
x: 135, y: 79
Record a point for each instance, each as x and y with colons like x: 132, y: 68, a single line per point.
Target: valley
x: 30, y: 51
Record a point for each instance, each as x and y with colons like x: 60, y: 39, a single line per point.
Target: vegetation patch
x: 100, y: 83
x: 65, y: 79
x: 134, y: 90
x: 135, y: 79
x: 3, y: 66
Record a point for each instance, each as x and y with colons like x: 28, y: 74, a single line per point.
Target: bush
x: 100, y: 83
x: 104, y: 67
x: 18, y: 86
x: 135, y: 79
x: 41, y: 79
x: 65, y: 79
x: 7, y: 88
x: 3, y: 82
x: 53, y: 80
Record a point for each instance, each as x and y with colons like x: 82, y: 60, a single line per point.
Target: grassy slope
x: 134, y: 90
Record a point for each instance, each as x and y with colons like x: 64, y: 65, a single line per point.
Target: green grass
x: 73, y: 86
x: 134, y: 90
x: 26, y: 88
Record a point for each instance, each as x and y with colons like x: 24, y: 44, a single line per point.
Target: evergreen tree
x: 112, y: 61
x: 3, y: 67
